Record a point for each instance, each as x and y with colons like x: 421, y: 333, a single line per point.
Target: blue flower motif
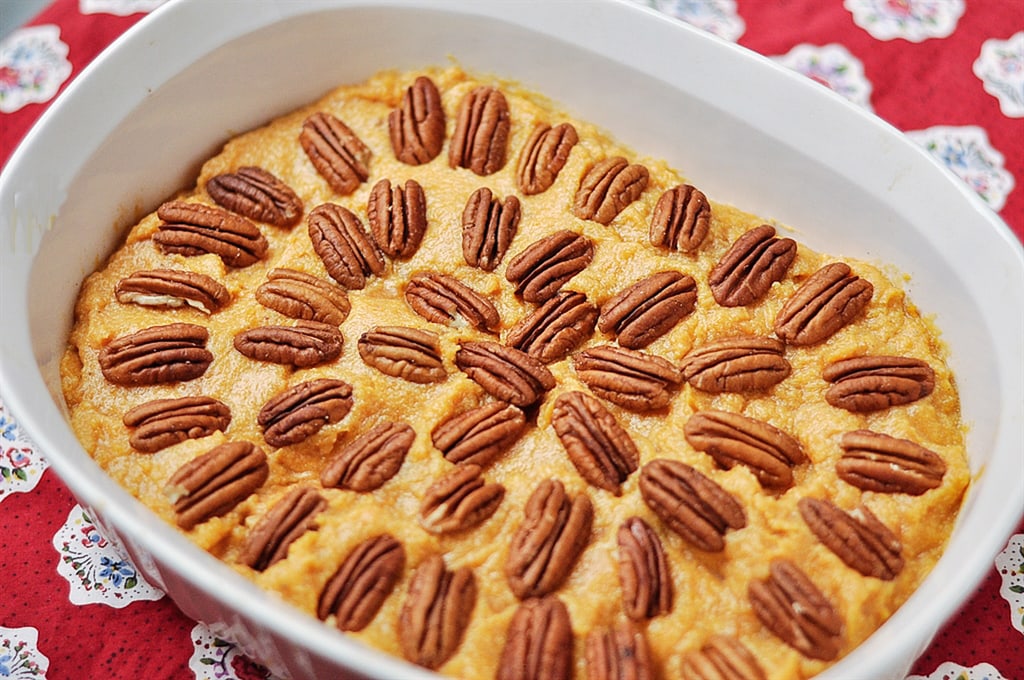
x: 5, y: 669
x: 115, y: 571
x: 8, y: 430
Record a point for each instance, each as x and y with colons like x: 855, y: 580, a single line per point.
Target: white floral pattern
x: 1000, y: 66
x: 33, y: 65
x: 833, y: 66
x: 20, y: 466
x: 118, y: 7
x: 1010, y: 565
x: 912, y: 20
x: 967, y: 152
x: 714, y: 16
x: 19, y: 655
x: 953, y: 671
x: 214, y: 658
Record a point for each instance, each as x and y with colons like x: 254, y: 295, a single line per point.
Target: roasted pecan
x: 643, y: 571
x: 721, y: 658
x: 681, y: 219
x: 459, y: 500
x: 829, y: 299
x: 336, y: 152
x: 215, y: 482
x: 401, y: 352
x: 878, y: 462
x: 172, y: 288
x: 871, y: 383
x: 690, y: 503
x: 754, y: 262
x: 349, y: 254
x: 543, y: 156
x: 858, y: 538
x: 607, y: 188
x: 155, y: 355
x: 488, y: 227
x: 602, y: 451
x: 436, y: 612
x: 302, y: 410
x: 308, y: 343
x: 371, y: 459
x: 553, y: 330
x: 619, y: 653
x: 164, y: 422
x: 545, y: 547
x: 303, y: 296
x: 538, y: 642
x: 546, y: 265
x: 193, y: 229
x: 479, y: 435
x: 397, y: 217
x: 731, y: 439
x: 480, y: 139
x: 417, y: 127
x: 257, y: 194
x: 504, y: 372
x: 643, y: 312
x: 740, y: 364
x: 355, y: 592
x: 630, y: 378
x: 446, y: 300
x: 290, y: 517
x: 789, y: 605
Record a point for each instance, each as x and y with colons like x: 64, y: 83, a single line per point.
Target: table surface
x: 949, y: 73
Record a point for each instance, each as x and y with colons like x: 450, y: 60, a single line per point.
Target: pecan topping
x: 397, y: 217
x: 459, y: 500
x: 301, y: 411
x: 546, y: 545
x: 303, y: 296
x: 754, y: 262
x: 371, y: 459
x: 872, y: 383
x: 488, y: 227
x: 504, y: 372
x: 356, y: 591
x: 543, y: 156
x: 828, y: 300
x: 681, y: 219
x: 722, y: 658
x: 858, y: 538
x: 308, y: 343
x: 155, y: 355
x: 791, y: 606
x: 546, y: 265
x: 290, y: 517
x: 553, y: 330
x: 408, y: 353
x: 436, y: 612
x: 446, y: 300
x: 164, y: 422
x: 336, y: 152
x: 215, y: 482
x: 690, y: 503
x: 172, y: 288
x: 643, y: 571
x: 651, y: 307
x: 257, y: 194
x: 417, y: 126
x: 630, y: 378
x: 607, y: 188
x: 741, y: 364
x: 481, y: 132
x: 193, y: 229
x: 603, y: 452
x: 732, y: 439
x: 349, y: 254
x: 479, y: 435
x: 877, y: 462
x: 538, y: 643
x: 618, y: 653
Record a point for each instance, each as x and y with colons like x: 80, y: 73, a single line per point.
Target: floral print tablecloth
x: 949, y: 73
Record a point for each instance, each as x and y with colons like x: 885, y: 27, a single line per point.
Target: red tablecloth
x: 950, y: 73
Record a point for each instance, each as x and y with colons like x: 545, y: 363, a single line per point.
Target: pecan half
x: 545, y: 547
x: 459, y: 500
x: 602, y: 451
x: 553, y: 330
x: 618, y: 653
x: 290, y: 517
x: 858, y: 538
x: 488, y: 227
x: 156, y: 355
x: 753, y: 263
x: 401, y: 352
x: 681, y: 219
x: 398, y: 217
x: 789, y: 605
x: 607, y: 188
x: 349, y: 254
x: 871, y: 383
x: 547, y: 264
x: 480, y: 139
x: 479, y: 435
x: 740, y: 364
x: 504, y: 372
x: 543, y: 156
x: 721, y: 658
x: 643, y: 312
x: 303, y: 296
x: 643, y: 571
x: 538, y: 642
x: 215, y: 482
x: 172, y: 288
x: 355, y: 592
x: 371, y: 459
x: 690, y: 503
x: 161, y: 423
x: 336, y: 152
x: 417, y: 127
x: 878, y: 462
x: 630, y: 378
x: 193, y: 229
x: 308, y: 343
x: 299, y: 412
x: 436, y: 612
x: 257, y: 194
x: 446, y: 300
x: 829, y: 299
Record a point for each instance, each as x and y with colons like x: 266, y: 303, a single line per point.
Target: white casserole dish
x: 135, y: 125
